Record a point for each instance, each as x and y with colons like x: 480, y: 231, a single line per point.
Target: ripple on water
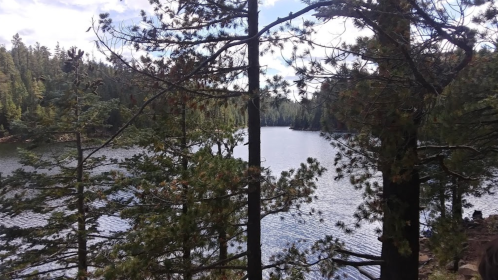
x: 283, y: 149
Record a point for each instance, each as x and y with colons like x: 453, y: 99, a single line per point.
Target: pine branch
x: 452, y: 173
x: 404, y: 50
x: 336, y: 260
x: 448, y: 147
x: 200, y: 66
x: 466, y: 46
x: 365, y: 256
x: 42, y: 272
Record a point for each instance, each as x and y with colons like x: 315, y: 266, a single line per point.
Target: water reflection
x: 283, y: 149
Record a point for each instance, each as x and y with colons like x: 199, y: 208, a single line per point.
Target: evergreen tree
x: 190, y: 193
x: 387, y: 107
x: 61, y: 188
x: 11, y: 90
x: 228, y: 34
x: 458, y: 146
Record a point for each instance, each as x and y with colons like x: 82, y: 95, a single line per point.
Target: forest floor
x: 479, y: 232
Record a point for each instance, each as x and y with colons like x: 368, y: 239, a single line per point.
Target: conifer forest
x: 410, y: 109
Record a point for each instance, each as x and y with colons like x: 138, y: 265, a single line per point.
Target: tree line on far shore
x: 32, y: 79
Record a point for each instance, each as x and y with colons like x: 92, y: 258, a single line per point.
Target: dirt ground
x: 479, y: 233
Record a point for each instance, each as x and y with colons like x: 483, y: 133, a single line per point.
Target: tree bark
x: 456, y: 201
x: 80, y: 192
x: 401, y: 182
x: 442, y: 200
x: 187, y: 275
x: 400, y: 239
x: 82, y: 252
x: 456, y: 212
x: 254, y: 271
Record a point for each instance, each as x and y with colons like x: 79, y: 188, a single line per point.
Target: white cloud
x: 63, y: 21
x: 269, y: 2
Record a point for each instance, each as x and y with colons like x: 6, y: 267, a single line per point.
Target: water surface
x: 283, y: 149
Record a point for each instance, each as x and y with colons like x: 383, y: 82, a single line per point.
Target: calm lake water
x: 283, y: 149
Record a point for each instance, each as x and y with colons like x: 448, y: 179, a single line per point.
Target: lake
x: 283, y: 149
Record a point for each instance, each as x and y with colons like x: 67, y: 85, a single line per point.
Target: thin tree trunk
x: 456, y: 201
x: 456, y: 212
x: 254, y: 271
x: 82, y: 250
x: 187, y: 275
x: 82, y: 240
x: 222, y: 234
x: 442, y: 201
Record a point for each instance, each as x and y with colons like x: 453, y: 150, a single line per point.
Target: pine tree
x: 214, y: 27
x: 190, y: 193
x: 10, y: 90
x: 458, y: 138
x: 61, y: 189
x: 387, y: 106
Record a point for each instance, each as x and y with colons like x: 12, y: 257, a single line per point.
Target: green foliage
x: 389, y: 93
x: 447, y: 240
x: 31, y: 85
x: 278, y: 112
x: 442, y: 275
x: 458, y: 148
x: 187, y: 184
x: 58, y: 187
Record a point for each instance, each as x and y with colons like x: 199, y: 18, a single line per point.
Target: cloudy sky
x: 65, y: 21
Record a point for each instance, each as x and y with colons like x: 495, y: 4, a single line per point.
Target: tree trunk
x: 400, y: 239
x: 82, y: 254
x: 456, y: 212
x: 187, y: 274
x: 254, y: 130
x: 456, y: 201
x: 442, y: 201
x: 221, y: 226
x: 401, y: 182
x: 80, y: 191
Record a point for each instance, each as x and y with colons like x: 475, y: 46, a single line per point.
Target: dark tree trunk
x: 254, y: 130
x: 187, y: 275
x: 456, y: 212
x: 442, y: 200
x: 80, y: 192
x: 456, y: 201
x: 82, y: 254
x: 400, y: 239
x: 401, y: 182
x: 221, y: 225
x: 222, y: 237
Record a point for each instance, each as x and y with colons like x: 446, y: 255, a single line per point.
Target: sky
x: 63, y: 21
x: 66, y: 21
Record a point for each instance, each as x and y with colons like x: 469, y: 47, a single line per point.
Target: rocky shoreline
x: 479, y: 232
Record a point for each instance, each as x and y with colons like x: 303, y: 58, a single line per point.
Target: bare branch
x: 448, y: 147
x: 365, y: 256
